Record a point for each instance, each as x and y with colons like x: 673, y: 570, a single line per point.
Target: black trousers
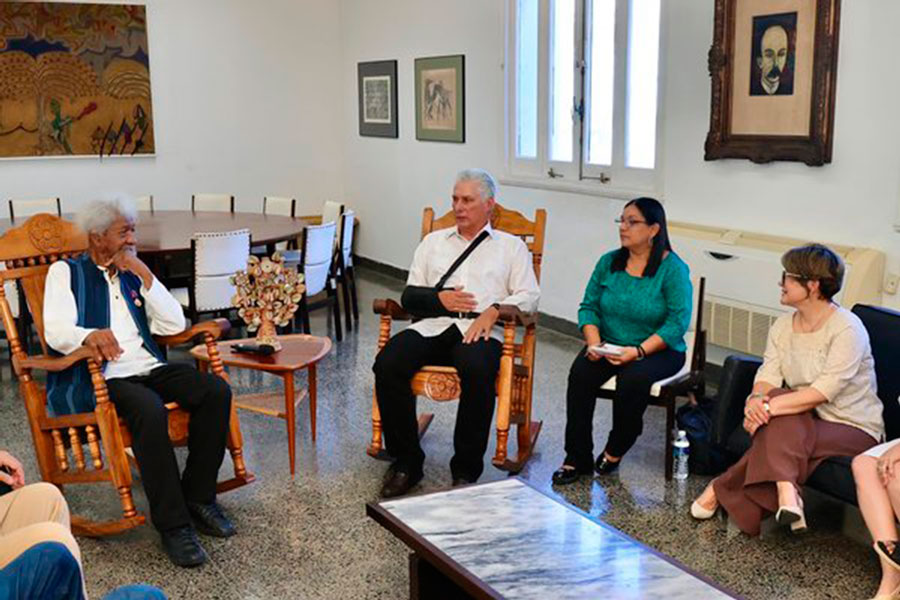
x: 633, y: 382
x: 477, y: 364
x: 140, y: 400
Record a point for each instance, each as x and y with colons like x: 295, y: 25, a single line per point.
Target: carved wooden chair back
x: 27, y: 253
x: 502, y: 219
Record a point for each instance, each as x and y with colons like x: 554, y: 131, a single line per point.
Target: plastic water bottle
x: 680, y: 452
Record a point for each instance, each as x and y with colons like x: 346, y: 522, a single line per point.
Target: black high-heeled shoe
x: 604, y: 466
x: 566, y: 474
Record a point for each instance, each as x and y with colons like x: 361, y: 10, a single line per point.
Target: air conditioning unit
x: 742, y: 271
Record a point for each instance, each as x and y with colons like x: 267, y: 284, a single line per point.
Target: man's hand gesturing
x: 103, y: 344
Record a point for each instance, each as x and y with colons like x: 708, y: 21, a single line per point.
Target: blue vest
x: 70, y: 391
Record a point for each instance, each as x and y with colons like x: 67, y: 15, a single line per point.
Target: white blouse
x: 836, y: 360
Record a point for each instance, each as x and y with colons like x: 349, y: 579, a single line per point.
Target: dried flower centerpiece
x: 266, y: 295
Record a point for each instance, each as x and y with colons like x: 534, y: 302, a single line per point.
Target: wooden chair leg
x: 343, y: 281
x: 335, y: 306
x: 351, y: 279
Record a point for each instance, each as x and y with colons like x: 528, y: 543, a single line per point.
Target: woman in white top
x: 878, y: 491
x: 820, y: 354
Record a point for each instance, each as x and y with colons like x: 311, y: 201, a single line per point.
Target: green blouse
x: 629, y: 309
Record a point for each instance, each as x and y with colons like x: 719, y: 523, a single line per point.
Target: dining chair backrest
x: 331, y: 212
x: 279, y: 205
x: 217, y: 256
x: 318, y: 244
x: 144, y: 203
x: 212, y: 203
x: 347, y: 237
x: 12, y: 296
x: 25, y: 208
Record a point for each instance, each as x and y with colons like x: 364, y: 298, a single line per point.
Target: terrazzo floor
x: 310, y: 538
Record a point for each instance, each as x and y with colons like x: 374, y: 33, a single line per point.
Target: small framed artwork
x: 441, y: 98
x: 378, y: 98
x: 773, y: 66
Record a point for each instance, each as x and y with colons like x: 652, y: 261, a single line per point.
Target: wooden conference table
x: 170, y: 231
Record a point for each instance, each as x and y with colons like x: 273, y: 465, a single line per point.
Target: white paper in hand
x: 607, y: 350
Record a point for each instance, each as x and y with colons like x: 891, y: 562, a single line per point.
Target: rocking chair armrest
x: 512, y: 315
x: 390, y: 308
x: 53, y: 364
x: 215, y: 327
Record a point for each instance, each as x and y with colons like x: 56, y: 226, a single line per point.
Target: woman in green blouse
x: 639, y: 297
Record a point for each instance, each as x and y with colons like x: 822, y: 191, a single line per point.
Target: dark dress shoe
x: 604, y: 466
x: 400, y: 482
x: 567, y: 474
x: 183, y: 547
x: 210, y: 520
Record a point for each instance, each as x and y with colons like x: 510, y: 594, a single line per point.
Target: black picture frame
x: 377, y: 88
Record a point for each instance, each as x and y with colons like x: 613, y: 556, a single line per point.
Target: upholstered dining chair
x: 314, y: 259
x: 212, y: 203
x: 87, y: 447
x: 688, y: 381
x: 144, y: 203
x: 19, y: 208
x: 277, y: 205
x: 343, y: 269
x: 515, y: 380
x: 216, y: 257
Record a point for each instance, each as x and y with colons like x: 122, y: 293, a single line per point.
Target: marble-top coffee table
x: 507, y: 539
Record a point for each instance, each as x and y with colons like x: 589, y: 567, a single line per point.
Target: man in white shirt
x: 108, y: 300
x: 498, y: 271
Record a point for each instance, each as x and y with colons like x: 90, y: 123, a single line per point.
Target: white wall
x: 245, y: 101
x: 852, y: 201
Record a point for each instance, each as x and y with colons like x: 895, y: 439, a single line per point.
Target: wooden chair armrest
x: 510, y: 314
x: 53, y: 364
x: 390, y: 308
x: 215, y: 327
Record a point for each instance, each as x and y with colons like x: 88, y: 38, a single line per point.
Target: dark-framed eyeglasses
x: 629, y: 222
x: 795, y: 276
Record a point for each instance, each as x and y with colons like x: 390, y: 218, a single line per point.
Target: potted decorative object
x: 266, y: 295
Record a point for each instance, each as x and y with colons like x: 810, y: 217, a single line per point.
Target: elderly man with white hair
x: 108, y: 300
x: 458, y: 308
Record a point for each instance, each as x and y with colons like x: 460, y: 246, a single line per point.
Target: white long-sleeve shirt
x: 164, y: 314
x: 499, y: 270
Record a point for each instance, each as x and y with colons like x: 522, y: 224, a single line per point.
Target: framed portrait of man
x: 773, y: 66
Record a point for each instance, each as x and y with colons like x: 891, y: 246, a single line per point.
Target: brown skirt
x: 789, y: 448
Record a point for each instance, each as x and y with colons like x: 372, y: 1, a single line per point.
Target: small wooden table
x: 299, y: 351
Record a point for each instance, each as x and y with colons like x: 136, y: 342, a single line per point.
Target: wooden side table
x: 298, y: 351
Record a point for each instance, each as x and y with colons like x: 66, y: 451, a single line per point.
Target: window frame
x: 614, y: 180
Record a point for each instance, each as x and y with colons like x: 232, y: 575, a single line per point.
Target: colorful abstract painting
x: 74, y: 80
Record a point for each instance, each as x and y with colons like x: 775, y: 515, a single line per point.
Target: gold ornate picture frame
x: 773, y: 68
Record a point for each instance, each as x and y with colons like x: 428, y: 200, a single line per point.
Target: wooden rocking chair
x: 516, y: 376
x: 28, y: 251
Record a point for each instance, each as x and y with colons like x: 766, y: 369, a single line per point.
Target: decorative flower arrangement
x: 266, y: 295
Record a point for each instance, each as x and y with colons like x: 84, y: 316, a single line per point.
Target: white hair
x: 486, y: 182
x: 97, y: 215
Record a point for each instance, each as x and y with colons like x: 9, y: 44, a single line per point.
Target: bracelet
x: 641, y: 354
x: 755, y: 395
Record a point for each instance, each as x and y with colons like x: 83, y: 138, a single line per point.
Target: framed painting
x: 440, y: 98
x: 377, y: 82
x: 74, y: 80
x: 773, y: 66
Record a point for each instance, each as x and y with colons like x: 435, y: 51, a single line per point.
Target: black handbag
x: 423, y: 301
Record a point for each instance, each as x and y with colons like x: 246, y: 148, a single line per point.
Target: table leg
x: 311, y: 377
x: 289, y: 407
